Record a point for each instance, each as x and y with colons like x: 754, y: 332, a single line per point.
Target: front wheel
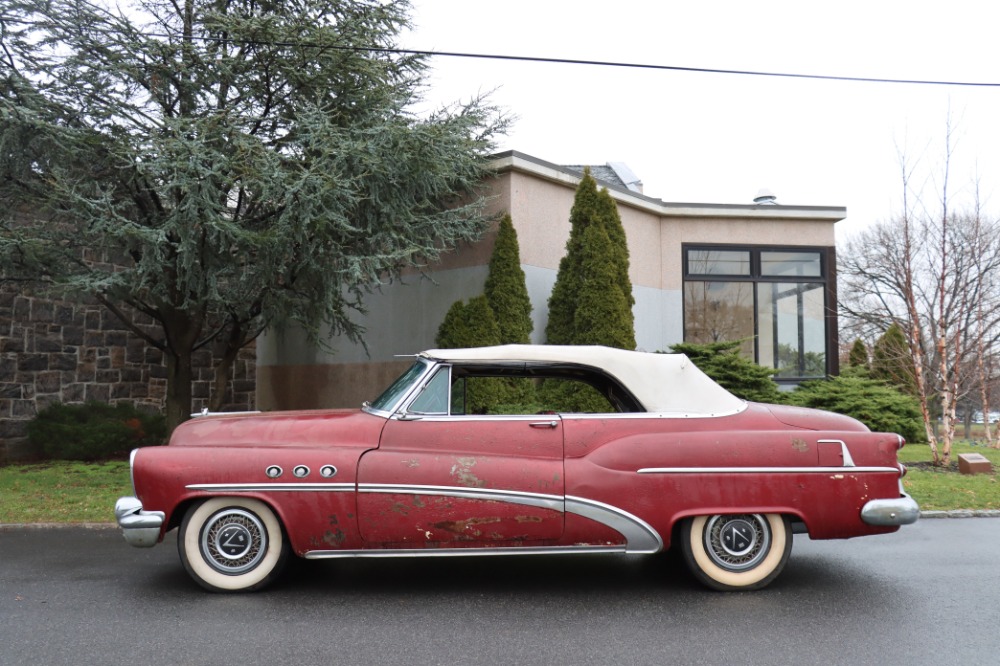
x: 232, y: 544
x: 736, y: 552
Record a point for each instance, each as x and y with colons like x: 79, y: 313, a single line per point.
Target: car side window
x: 433, y: 397
x: 518, y: 395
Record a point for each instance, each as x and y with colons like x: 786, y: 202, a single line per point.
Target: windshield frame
x: 390, y: 400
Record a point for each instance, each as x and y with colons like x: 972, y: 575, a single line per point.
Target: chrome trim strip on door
x: 274, y: 487
x: 459, y: 552
x: 554, y: 502
x: 640, y: 537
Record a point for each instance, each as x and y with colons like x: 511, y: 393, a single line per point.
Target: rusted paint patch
x: 528, y: 519
x: 404, y: 509
x: 467, y: 527
x: 800, y: 445
x: 462, y: 471
x: 334, y: 538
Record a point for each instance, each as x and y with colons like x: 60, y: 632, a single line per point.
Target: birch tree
x: 932, y: 273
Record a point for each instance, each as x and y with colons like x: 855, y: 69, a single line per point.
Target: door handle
x: 544, y: 424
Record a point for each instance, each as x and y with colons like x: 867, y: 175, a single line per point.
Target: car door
x: 440, y: 478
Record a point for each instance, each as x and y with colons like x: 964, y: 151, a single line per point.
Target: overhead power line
x: 562, y: 61
x: 675, y: 68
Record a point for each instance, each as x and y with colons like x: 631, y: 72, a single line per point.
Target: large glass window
x: 774, y: 300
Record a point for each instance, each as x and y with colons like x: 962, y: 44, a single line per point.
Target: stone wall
x: 72, y: 352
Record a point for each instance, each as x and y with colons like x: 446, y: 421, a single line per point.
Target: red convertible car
x: 430, y: 468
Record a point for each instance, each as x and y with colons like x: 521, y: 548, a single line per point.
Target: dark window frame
x: 827, y: 277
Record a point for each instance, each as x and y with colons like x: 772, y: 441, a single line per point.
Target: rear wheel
x: 232, y: 544
x: 736, y: 552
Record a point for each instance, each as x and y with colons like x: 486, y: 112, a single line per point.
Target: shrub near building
x: 506, y: 289
x: 593, y: 274
x: 591, y: 302
x: 881, y: 407
x: 501, y: 316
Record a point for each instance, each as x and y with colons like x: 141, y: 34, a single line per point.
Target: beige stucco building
x: 761, y: 272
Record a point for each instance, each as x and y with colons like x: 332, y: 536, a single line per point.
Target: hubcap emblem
x: 233, y: 541
x: 738, y: 537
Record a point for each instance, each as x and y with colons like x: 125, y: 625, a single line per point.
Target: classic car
x: 429, y: 468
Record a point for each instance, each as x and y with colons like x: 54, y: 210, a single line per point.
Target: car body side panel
x: 224, y: 456
x: 463, y: 479
x: 663, y: 471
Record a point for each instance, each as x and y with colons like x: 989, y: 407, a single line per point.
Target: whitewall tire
x: 232, y: 544
x: 736, y: 552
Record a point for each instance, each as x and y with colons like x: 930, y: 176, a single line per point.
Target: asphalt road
x: 929, y: 594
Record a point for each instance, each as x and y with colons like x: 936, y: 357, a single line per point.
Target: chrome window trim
x: 564, y: 416
x: 418, y: 389
x: 376, y: 412
x: 429, y: 366
x: 455, y: 418
x: 652, y: 415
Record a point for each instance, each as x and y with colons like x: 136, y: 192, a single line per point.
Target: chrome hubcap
x: 737, y: 543
x: 233, y: 541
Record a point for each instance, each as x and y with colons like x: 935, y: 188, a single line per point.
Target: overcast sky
x: 719, y: 138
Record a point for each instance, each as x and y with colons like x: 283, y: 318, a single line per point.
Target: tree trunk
x: 179, y: 376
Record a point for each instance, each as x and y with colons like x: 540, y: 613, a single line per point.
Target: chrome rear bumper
x: 140, y: 528
x: 902, y: 510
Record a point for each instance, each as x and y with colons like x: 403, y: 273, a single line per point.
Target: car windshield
x: 392, y: 395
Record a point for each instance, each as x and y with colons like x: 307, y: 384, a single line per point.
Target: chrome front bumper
x: 902, y: 510
x: 140, y: 528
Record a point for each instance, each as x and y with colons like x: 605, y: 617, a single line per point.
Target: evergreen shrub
x: 881, y: 407
x: 740, y: 376
x: 94, y: 431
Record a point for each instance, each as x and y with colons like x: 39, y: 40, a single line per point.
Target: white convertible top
x: 661, y: 382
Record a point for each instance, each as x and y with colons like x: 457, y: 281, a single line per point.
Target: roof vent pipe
x: 765, y: 197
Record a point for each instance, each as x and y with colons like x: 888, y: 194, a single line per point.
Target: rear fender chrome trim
x: 766, y: 470
x: 640, y: 537
x: 845, y: 454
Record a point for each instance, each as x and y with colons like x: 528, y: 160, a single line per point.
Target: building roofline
x: 512, y: 160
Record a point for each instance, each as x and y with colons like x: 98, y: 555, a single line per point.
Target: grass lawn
x: 72, y: 492
x: 62, y: 492
x: 941, y: 489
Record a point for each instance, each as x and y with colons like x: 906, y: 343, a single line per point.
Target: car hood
x: 304, y: 428
x: 815, y: 419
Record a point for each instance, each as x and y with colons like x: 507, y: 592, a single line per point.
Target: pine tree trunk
x: 179, y: 376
